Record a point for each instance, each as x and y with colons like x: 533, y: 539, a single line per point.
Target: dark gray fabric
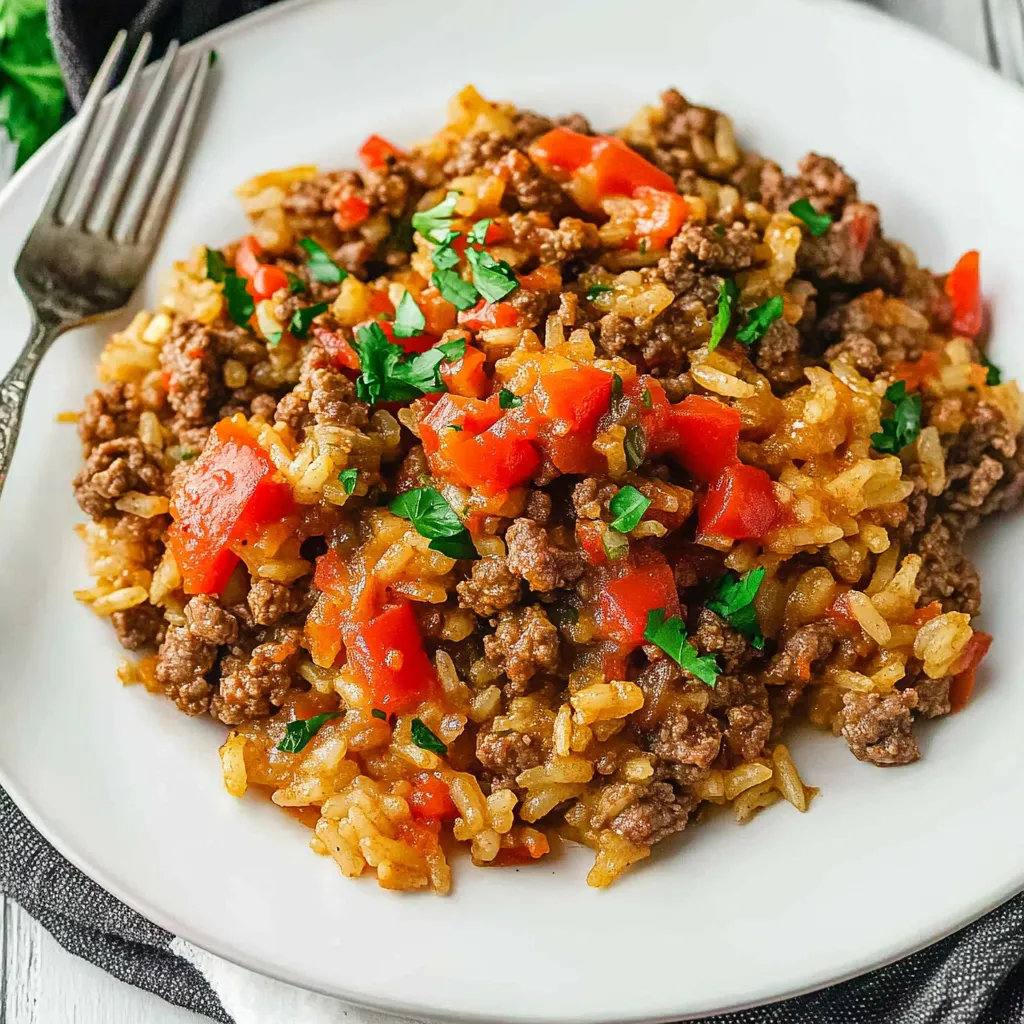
x: 973, y: 977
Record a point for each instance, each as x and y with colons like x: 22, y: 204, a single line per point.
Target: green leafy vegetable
x: 597, y: 289
x: 296, y: 286
x: 435, y: 223
x: 461, y: 294
x: 904, y: 425
x: 628, y: 506
x: 444, y: 257
x: 425, y: 739
x: 409, y: 318
x: 457, y: 427
x: 321, y: 267
x: 670, y: 636
x: 268, y: 326
x: 188, y: 455
x: 509, y: 399
x: 994, y: 374
x: 388, y: 376
x: 720, y: 324
x: 433, y: 518
x: 817, y: 223
x: 240, y: 303
x: 31, y: 87
x: 615, y: 545
x: 635, y: 446
x: 298, y: 733
x: 216, y: 268
x: 477, y: 234
x: 564, y: 614
x: 759, y: 320
x: 647, y: 398
x: 348, y: 478
x: 734, y: 601
x: 493, y: 279
x: 377, y: 713
x: 302, y: 318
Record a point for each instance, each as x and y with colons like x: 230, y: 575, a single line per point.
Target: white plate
x: 886, y: 861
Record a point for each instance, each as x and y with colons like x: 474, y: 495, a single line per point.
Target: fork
x: 105, y: 211
x: 1004, y: 36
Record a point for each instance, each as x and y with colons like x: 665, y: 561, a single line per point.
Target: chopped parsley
x: 348, y: 478
x: 759, y: 320
x: 508, y: 399
x: 268, y: 326
x: 628, y: 506
x: 298, y: 733
x: 240, y: 303
x: 388, y: 376
x: 461, y: 294
x: 564, y: 614
x: 216, y: 267
x: 817, y: 223
x: 409, y: 318
x: 670, y: 636
x: 616, y: 388
x: 635, y: 446
x: 425, y: 739
x: 435, y: 223
x: 477, y: 234
x: 296, y: 286
x: 597, y: 289
x: 188, y: 455
x: 734, y: 601
x: 615, y: 545
x: 993, y: 375
x: 432, y: 517
x: 321, y: 267
x: 444, y: 257
x: 378, y: 713
x: 904, y: 425
x: 720, y: 323
x: 457, y: 427
x: 642, y: 247
x: 647, y: 398
x: 493, y: 279
x: 302, y: 318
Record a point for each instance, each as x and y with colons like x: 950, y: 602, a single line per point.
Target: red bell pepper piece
x: 351, y: 212
x: 659, y: 216
x: 387, y: 652
x: 626, y: 602
x: 701, y: 432
x: 229, y: 494
x: 963, y: 682
x: 430, y: 798
x: 578, y: 396
x: 919, y: 371
x: 375, y: 151
x: 494, y: 461
x: 589, y: 535
x: 564, y: 149
x: 266, y: 281
x: 467, y: 375
x: 438, y: 312
x: 471, y: 414
x: 740, y: 505
x: 247, y: 256
x: 337, y: 347
x: 486, y: 315
x: 963, y: 286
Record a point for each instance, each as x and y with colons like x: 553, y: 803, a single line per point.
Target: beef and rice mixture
x: 527, y: 483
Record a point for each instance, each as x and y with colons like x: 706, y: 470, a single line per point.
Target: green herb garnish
x: 296, y: 286
x: 461, y: 294
x: 759, y: 320
x: 378, y: 713
x: 388, y: 376
x: 720, y: 323
x: 628, y: 506
x: 904, y: 425
x: 240, y: 303
x: 508, y: 399
x: 425, y: 739
x: 817, y: 223
x: 993, y: 374
x: 433, y: 518
x: 670, y: 636
x: 597, y: 289
x: 444, y: 257
x: 493, y: 279
x: 435, y: 223
x: 734, y: 601
x: 216, y: 267
x: 635, y: 446
x: 477, y: 234
x: 409, y: 318
x: 647, y: 398
x: 321, y: 267
x: 348, y: 478
x: 564, y: 614
x: 615, y: 545
x: 298, y: 733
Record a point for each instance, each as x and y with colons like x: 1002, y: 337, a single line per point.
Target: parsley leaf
x: 734, y: 601
x: 321, y: 267
x: 597, y: 289
x: 670, y: 636
x: 904, y: 425
x: 425, y: 739
x: 461, y: 294
x: 432, y: 517
x: 994, y: 374
x: 378, y: 713
x: 817, y: 223
x: 240, y: 303
x: 493, y: 279
x: 298, y: 733
x: 635, y: 446
x: 302, y: 318
x: 720, y: 323
x: 759, y: 320
x: 564, y: 614
x: 615, y: 545
x: 296, y: 286
x: 434, y: 224
x: 215, y: 265
x: 409, y: 318
x: 477, y: 234
x: 387, y: 376
x: 348, y: 478
x: 268, y: 325
x: 444, y: 257
x: 628, y: 506
x: 508, y: 399
x: 647, y: 398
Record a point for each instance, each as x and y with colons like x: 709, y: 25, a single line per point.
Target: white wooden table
x: 40, y: 983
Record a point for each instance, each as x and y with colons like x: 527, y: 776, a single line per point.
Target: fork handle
x: 14, y: 389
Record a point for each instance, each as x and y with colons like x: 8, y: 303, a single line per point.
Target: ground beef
x: 713, y: 248
x: 474, y: 153
x: 527, y: 188
x: 590, y: 497
x: 269, y: 602
x: 839, y: 254
x: 860, y: 352
x: 114, y: 468
x: 524, y: 643
x: 714, y: 635
x: 685, y: 737
x: 980, y: 481
x: 800, y: 652
x: 538, y: 506
x: 193, y: 380
x: 947, y: 574
x: 933, y: 696
x: 209, y: 622
x: 183, y: 661
x: 391, y: 189
x: 139, y: 628
x: 661, y: 813
x: 748, y: 731
x: 821, y: 180
x: 263, y: 405
x: 490, y: 587
x: 414, y: 470
x: 878, y: 728
x: 778, y: 354
x: 506, y: 754
x: 252, y: 683
x: 532, y: 305
x: 333, y: 402
x: 538, y: 560
x: 571, y: 238
x: 110, y: 411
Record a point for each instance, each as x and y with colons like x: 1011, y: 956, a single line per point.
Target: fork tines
x: 120, y: 171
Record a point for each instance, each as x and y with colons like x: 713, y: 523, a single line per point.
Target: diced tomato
x: 701, y: 432
x: 468, y: 375
x: 578, y: 396
x: 927, y: 613
x: 337, y: 347
x: 486, y: 315
x: 919, y: 371
x: 266, y: 281
x: 380, y: 302
x: 544, y: 279
x: 963, y: 682
x: 963, y: 286
x: 564, y: 149
x: 626, y: 602
x: 229, y: 494
x: 437, y: 311
x: 659, y: 216
x: 330, y: 575
x: 387, y: 653
x: 493, y: 461
x: 247, y: 256
x: 590, y: 534
x: 740, y: 504
x: 620, y: 171
x: 351, y: 212
x: 472, y: 415
x: 375, y: 151
x: 430, y: 798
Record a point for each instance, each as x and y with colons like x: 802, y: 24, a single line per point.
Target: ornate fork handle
x: 14, y: 388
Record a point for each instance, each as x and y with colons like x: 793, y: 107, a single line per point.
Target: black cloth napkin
x: 973, y: 977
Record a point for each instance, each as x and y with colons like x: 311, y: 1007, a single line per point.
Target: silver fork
x: 96, y: 236
x: 1004, y: 34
